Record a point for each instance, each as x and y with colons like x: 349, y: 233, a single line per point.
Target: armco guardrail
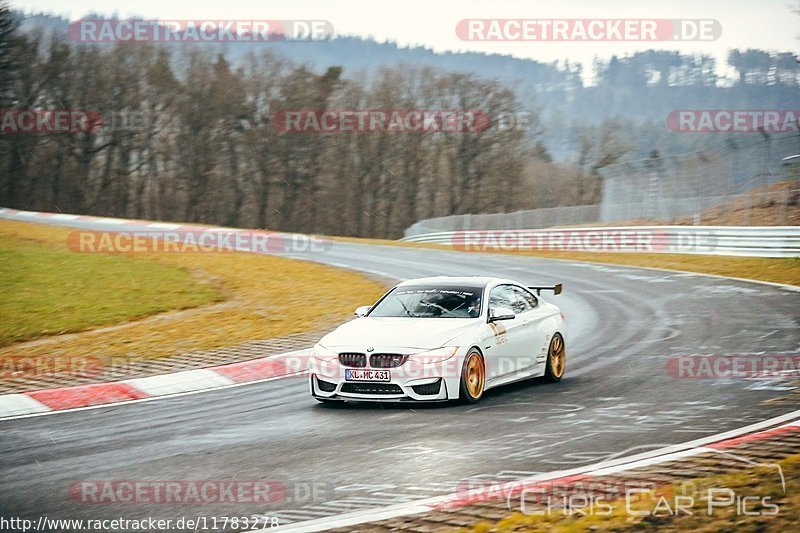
x: 774, y: 207
x: 753, y: 241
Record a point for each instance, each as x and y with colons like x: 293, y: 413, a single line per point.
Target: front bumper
x: 409, y: 382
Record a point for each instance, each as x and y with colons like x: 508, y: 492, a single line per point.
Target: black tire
x: 556, y: 359
x: 473, y: 378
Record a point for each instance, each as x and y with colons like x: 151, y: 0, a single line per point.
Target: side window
x: 522, y: 303
x: 529, y: 298
x: 503, y: 296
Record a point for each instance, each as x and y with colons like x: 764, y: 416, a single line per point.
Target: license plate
x: 367, y: 375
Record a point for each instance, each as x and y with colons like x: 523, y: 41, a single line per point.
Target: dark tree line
x: 189, y: 131
x: 202, y: 145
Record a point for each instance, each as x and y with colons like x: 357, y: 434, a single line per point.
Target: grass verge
x: 258, y: 297
x: 51, y: 291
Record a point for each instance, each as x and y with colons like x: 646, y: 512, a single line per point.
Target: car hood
x: 422, y: 333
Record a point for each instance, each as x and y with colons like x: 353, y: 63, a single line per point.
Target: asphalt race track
x: 617, y: 398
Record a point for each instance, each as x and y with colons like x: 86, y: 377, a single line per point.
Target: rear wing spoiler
x: 555, y: 288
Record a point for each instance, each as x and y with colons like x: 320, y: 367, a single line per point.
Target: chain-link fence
x: 532, y: 219
x: 742, y: 181
x: 671, y: 187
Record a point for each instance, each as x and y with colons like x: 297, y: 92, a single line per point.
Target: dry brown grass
x: 263, y: 297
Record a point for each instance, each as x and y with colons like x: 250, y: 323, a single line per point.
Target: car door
x: 509, y: 337
x: 532, y: 333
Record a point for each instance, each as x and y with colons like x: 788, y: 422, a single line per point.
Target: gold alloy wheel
x: 475, y: 375
x: 557, y: 356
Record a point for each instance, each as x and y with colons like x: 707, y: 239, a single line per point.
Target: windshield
x: 430, y: 302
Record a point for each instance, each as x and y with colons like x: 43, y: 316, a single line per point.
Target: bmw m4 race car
x: 441, y: 338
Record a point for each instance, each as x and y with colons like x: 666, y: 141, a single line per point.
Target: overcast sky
x: 765, y: 24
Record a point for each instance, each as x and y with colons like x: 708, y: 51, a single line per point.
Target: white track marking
x: 14, y: 404
x: 176, y: 382
x: 29, y: 413
x: 651, y: 461
x: 150, y: 399
x: 666, y: 454
x: 163, y: 225
x: 64, y: 216
x: 793, y: 288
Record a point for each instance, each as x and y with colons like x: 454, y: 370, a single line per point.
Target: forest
x: 189, y: 133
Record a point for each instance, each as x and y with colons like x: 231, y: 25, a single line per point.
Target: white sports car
x: 442, y: 338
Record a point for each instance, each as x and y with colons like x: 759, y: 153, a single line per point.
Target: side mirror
x: 500, y: 313
x: 363, y: 310
x: 557, y: 289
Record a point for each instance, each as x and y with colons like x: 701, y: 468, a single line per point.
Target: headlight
x: 434, y: 356
x: 323, y: 354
